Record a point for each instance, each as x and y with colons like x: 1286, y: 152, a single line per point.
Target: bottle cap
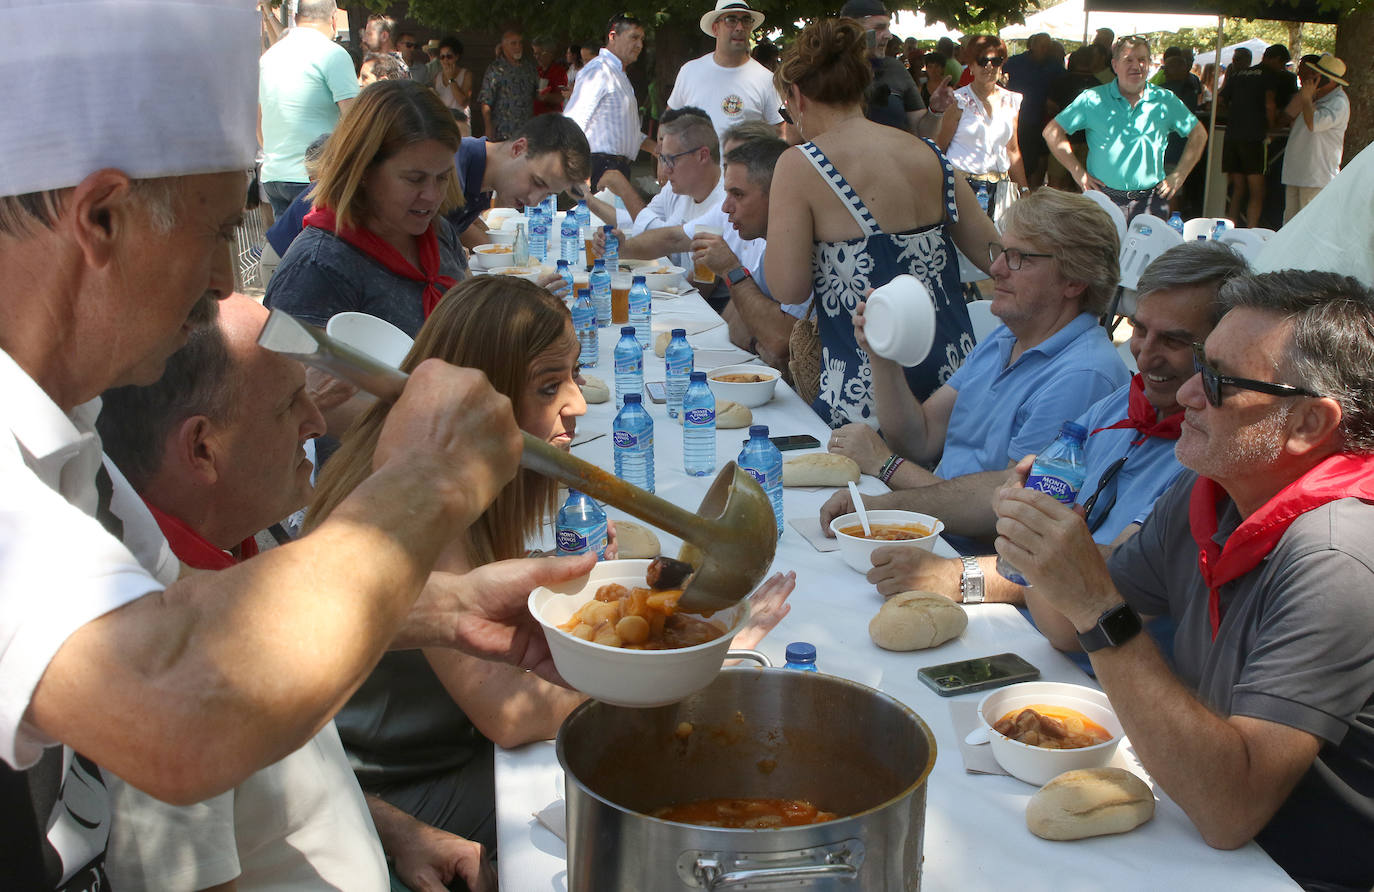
x: 758, y: 430
x: 561, y: 263
x: 679, y: 333
x: 633, y: 398
x: 573, y: 493
x: 584, y: 292
x: 628, y: 331
x: 696, y: 376
x: 1076, y: 431
x: 599, y: 264
x: 801, y: 652
x: 638, y: 280
x: 609, y: 228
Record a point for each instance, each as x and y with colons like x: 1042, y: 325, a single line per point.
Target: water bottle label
x: 569, y: 542
x: 700, y: 416
x: 629, y: 366
x: 759, y: 477
x: 1055, y: 487
x: 625, y: 440
x: 680, y: 366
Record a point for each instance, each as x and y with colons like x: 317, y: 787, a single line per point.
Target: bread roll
x: 634, y: 541
x: 661, y: 343
x: 916, y: 621
x: 729, y: 415
x: 594, y: 390
x: 1090, y: 802
x: 820, y: 469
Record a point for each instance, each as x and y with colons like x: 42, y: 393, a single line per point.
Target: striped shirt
x: 603, y: 104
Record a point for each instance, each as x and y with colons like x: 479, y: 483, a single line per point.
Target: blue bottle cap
x: 584, y: 292
x: 632, y: 398
x: 599, y: 264
x: 572, y: 493
x: 758, y: 430
x: 679, y: 333
x: 1072, y: 429
x: 638, y: 280
x: 695, y: 376
x: 609, y: 228
x: 801, y: 652
x: 628, y: 330
x: 562, y: 263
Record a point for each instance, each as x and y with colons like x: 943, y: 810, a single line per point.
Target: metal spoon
x: 859, y: 507
x: 730, y: 539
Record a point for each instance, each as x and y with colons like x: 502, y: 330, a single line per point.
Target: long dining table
x: 975, y: 831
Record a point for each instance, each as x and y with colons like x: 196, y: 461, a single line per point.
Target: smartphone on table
x: 795, y: 441
x: 657, y: 393
x: 980, y: 674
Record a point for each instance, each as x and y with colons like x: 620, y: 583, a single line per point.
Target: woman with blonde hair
x: 855, y: 206
x: 420, y: 729
x: 978, y: 133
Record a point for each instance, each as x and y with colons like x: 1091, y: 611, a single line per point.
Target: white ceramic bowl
x: 899, y: 321
x: 636, y: 678
x: 670, y: 276
x: 857, y: 550
x: 375, y: 337
x: 501, y: 236
x: 531, y: 273
x: 749, y: 393
x: 492, y: 256
x: 1039, y: 765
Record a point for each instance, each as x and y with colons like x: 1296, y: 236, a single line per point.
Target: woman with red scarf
x: 376, y: 241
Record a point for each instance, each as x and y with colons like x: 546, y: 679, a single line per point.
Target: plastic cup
x: 620, y: 298
x: 700, y: 271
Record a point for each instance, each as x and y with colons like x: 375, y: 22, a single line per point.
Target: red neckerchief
x: 1141, y: 415
x: 193, y: 550
x: 373, y: 246
x: 1336, y: 477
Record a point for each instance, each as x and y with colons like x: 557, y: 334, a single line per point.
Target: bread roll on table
x: 916, y: 621
x: 820, y: 469
x: 1090, y: 802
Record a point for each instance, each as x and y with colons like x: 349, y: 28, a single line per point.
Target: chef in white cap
x: 118, y: 203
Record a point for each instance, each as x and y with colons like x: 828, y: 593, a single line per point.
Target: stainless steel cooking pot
x: 753, y: 732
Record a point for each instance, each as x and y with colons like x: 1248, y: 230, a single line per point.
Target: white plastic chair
x: 1146, y: 238
x: 1245, y: 242
x: 1203, y: 226
x: 980, y: 314
x: 1112, y: 210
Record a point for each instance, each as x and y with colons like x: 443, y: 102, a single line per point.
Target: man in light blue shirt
x: 305, y: 82
x: 1046, y: 364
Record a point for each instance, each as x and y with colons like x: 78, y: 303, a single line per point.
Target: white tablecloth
x: 975, y: 835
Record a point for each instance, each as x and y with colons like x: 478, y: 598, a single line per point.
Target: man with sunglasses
x: 1129, y: 452
x: 1128, y: 122
x: 1263, y: 728
x: 728, y: 83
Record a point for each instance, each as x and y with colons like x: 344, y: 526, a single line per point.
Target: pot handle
x: 836, y: 862
x: 749, y: 654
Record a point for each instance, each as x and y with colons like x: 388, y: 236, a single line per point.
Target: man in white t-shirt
x: 1320, y: 111
x: 729, y: 85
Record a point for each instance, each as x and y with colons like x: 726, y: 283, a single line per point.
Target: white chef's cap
x: 152, y: 87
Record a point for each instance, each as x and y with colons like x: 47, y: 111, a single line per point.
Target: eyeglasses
x: 447, y: 56
x: 1015, y: 256
x: 994, y: 61
x: 670, y: 161
x: 406, y: 44
x: 785, y: 115
x: 734, y: 21
x: 1212, y: 382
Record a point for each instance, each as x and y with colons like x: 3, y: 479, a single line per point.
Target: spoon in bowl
x: 859, y: 507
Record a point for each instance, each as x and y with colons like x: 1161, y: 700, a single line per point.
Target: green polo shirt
x: 1125, y: 143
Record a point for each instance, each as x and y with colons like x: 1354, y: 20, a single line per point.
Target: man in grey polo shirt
x: 1264, y: 727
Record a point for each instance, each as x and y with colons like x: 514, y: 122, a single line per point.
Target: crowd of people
x: 184, y: 707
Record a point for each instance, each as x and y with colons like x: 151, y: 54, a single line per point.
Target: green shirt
x: 1126, y: 143
x: 301, y: 81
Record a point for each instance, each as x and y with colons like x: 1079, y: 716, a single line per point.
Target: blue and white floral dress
x: 842, y: 271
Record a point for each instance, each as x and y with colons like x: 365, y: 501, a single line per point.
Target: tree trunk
x: 1354, y: 36
x: 1295, y: 39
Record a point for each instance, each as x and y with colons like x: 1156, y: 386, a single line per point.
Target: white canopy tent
x: 1254, y: 45
x: 913, y: 23
x: 1069, y: 21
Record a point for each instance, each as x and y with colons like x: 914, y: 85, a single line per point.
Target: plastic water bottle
x: 801, y: 656
x: 601, y: 294
x: 1144, y: 229
x: 1176, y: 221
x: 568, y: 243
x: 566, y: 272
x: 983, y: 192
x: 539, y: 236
x: 581, y: 526
x: 550, y: 206
x: 678, y: 359
x: 632, y: 438
x: 629, y: 366
x: 763, y: 461
x: 641, y: 310
x: 1057, y: 472
x: 699, y: 427
x: 520, y: 251
x: 1218, y: 229
x: 584, y: 215
x: 611, y: 254
x: 584, y: 323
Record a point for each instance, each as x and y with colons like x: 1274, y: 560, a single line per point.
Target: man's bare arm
x: 655, y: 243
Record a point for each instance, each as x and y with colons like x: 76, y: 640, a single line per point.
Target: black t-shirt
x: 1065, y: 89
x: 1244, y: 95
x: 892, y: 94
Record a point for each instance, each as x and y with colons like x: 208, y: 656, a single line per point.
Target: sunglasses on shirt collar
x: 1213, y: 381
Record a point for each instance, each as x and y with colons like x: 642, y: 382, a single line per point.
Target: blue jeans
x: 280, y: 195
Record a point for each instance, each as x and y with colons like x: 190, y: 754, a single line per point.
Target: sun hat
x: 1330, y: 66
x: 724, y: 6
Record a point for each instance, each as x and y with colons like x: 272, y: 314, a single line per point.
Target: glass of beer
x: 700, y: 271
x: 589, y: 242
x: 620, y: 298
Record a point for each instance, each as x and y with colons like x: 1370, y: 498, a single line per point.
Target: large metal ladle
x: 730, y: 540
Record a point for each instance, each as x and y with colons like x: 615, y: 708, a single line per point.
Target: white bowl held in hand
x: 376, y: 337
x: 899, y: 321
x: 1037, y: 764
x: 747, y: 393
x: 857, y: 551
x: 635, y: 678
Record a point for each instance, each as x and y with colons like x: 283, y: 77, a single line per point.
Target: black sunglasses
x: 1212, y: 382
x: 994, y: 61
x: 1102, y: 483
x: 786, y: 116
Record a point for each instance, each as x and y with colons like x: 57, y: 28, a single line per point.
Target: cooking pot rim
x: 561, y: 742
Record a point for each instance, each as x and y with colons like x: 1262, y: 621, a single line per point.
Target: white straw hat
x: 724, y: 6
x: 1330, y: 66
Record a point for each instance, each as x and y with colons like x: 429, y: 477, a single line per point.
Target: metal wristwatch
x: 736, y: 275
x: 1114, y: 628
x: 971, y: 582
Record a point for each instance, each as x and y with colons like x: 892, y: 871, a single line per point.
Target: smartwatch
x: 736, y: 275
x: 971, y: 582
x: 1114, y: 628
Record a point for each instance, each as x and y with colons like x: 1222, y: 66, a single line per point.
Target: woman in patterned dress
x: 857, y: 205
